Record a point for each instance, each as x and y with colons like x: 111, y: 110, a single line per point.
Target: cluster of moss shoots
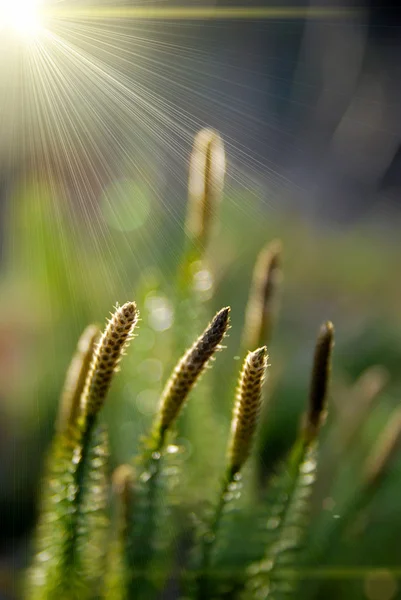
x: 142, y: 548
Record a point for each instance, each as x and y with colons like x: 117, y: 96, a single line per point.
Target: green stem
x: 209, y: 539
x: 79, y: 479
x: 139, y: 547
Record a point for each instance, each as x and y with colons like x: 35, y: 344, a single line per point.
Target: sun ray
x: 102, y: 95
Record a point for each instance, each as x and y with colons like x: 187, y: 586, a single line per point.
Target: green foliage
x: 186, y: 520
x: 275, y: 576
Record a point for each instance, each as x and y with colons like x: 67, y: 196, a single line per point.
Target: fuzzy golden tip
x: 188, y: 370
x: 107, y: 356
x: 320, y: 380
x: 246, y: 409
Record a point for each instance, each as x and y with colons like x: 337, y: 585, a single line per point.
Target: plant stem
x: 140, y: 549
x: 85, y: 443
x: 209, y: 539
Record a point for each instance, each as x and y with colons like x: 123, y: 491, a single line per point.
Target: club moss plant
x: 126, y: 535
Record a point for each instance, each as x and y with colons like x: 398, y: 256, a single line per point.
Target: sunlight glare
x: 21, y: 16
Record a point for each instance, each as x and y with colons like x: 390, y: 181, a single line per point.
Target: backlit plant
x: 128, y: 535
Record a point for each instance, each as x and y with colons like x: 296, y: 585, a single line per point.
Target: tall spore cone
x: 75, y: 378
x: 107, y: 356
x: 246, y: 408
x: 188, y: 370
x: 262, y: 304
x: 206, y: 180
x: 320, y: 380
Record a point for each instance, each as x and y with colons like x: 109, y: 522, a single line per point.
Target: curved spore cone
x: 107, y: 356
x: 320, y: 380
x: 187, y: 371
x: 246, y: 409
x: 263, y: 297
x: 205, y: 185
x: 76, y: 378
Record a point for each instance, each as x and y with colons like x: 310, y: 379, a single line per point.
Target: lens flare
x: 21, y: 17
